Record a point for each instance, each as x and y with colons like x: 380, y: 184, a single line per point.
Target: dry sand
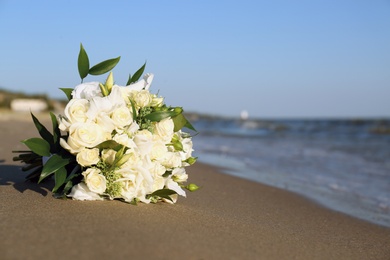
x: 228, y: 218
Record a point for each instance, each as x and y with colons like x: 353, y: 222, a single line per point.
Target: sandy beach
x: 228, y: 218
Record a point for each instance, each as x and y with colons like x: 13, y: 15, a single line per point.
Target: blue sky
x: 272, y: 58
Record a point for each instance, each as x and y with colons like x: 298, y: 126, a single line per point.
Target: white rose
x: 157, y: 101
x: 95, y: 181
x: 158, y: 151
x: 164, y: 129
x: 122, y: 117
x: 76, y: 110
x: 87, y: 90
x: 83, y: 135
x: 108, y: 156
x: 88, y: 157
x: 142, y: 98
x: 82, y: 192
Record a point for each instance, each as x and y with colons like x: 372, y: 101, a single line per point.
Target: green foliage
x: 68, y: 92
x: 104, y: 66
x: 83, y: 63
x: 163, y: 193
x: 54, y: 163
x: 136, y: 75
x: 38, y: 146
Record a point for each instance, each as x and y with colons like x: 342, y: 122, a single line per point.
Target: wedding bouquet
x: 113, y: 142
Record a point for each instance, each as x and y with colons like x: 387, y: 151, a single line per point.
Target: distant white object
x: 26, y: 105
x: 244, y: 115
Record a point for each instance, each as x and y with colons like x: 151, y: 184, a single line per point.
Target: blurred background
x: 300, y: 59
x: 294, y: 94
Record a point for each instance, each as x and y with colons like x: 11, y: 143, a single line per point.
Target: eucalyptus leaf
x: 68, y: 92
x: 104, y: 66
x: 83, y: 62
x: 59, y: 177
x: 136, y: 75
x: 52, y: 165
x: 38, y: 146
x: 43, y: 132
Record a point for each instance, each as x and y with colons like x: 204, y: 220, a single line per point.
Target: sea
x: 342, y: 164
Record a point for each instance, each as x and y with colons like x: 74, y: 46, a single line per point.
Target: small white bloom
x: 142, y: 98
x: 143, y: 140
x: 143, y: 83
x: 159, y: 149
x: 157, y: 101
x: 172, y: 185
x: 87, y: 90
x: 164, y: 129
x: 125, y: 140
x: 108, y: 156
x: 179, y: 175
x: 82, y: 192
x: 172, y: 160
x: 187, y: 148
x: 88, y: 157
x: 95, y: 181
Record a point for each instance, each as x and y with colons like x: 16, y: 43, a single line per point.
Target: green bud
x: 192, y: 187
x: 109, y: 82
x: 178, y: 110
x: 191, y: 160
x: 104, y: 90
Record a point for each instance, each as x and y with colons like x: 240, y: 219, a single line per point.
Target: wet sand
x: 228, y: 218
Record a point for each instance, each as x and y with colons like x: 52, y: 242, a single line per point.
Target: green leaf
x: 67, y: 187
x: 179, y: 121
x: 56, y: 133
x: 190, y: 126
x: 68, y: 92
x: 160, y: 115
x: 74, y: 173
x: 136, y: 75
x: 38, y: 146
x: 52, y: 165
x: 83, y: 63
x: 163, y: 193
x: 59, y: 177
x: 134, y: 110
x: 43, y: 132
x: 109, y: 144
x: 104, y: 66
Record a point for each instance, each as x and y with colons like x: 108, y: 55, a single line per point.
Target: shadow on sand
x: 12, y: 175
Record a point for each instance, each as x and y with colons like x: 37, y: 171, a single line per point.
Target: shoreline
x: 227, y: 218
